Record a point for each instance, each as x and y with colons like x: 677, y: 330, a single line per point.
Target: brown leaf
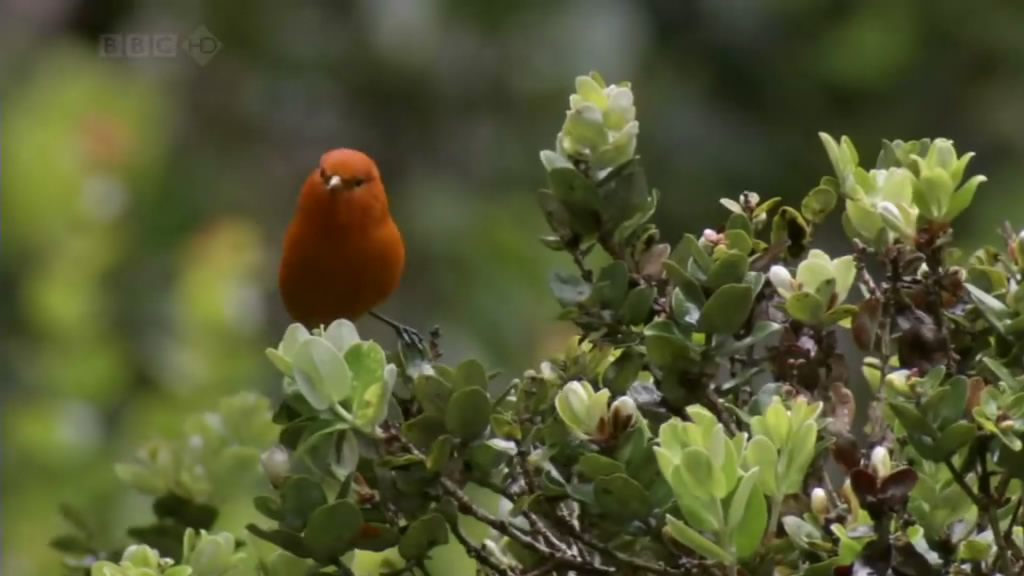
x: 650, y: 263
x: 846, y: 452
x: 898, y: 484
x: 864, y: 484
x: 865, y: 323
x: 975, y: 386
x: 844, y: 408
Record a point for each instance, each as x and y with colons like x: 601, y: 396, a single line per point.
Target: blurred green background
x: 144, y: 199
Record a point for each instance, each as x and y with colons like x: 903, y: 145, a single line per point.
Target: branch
x: 466, y: 506
x: 622, y: 558
x: 477, y: 553
x: 531, y: 484
x: 985, y: 508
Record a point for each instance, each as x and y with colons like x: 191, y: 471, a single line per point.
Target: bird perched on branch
x: 343, y: 254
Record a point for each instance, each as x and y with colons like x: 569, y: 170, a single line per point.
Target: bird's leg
x: 406, y: 334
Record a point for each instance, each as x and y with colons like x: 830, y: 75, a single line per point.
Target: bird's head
x: 346, y: 170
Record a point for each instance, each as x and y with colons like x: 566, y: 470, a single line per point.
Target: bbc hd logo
x: 201, y: 45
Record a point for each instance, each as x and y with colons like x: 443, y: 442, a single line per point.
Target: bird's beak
x: 334, y: 183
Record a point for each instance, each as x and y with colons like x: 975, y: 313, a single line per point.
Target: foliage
x: 701, y: 421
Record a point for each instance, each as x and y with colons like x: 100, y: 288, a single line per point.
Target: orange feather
x: 343, y: 254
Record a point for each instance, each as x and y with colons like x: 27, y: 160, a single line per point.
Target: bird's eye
x: 323, y: 174
x: 356, y: 182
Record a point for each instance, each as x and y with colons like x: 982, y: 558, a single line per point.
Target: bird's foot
x: 410, y: 337
x: 407, y: 336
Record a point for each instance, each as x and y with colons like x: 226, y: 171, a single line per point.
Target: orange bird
x: 343, y: 254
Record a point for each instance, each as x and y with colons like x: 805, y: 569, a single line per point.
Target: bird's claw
x: 411, y: 338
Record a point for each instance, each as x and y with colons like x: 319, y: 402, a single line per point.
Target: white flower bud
x: 881, y: 465
x: 782, y: 280
x: 819, y: 502
x: 276, y: 464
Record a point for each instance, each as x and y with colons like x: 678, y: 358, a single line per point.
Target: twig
x: 985, y: 508
x: 466, y: 506
x: 585, y: 273
x: 712, y: 401
x: 544, y: 568
x: 477, y: 553
x: 619, y: 557
x: 536, y: 523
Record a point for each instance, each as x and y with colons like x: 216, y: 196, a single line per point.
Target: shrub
x: 702, y: 422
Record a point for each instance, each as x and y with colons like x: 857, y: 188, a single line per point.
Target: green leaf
x: 724, y: 462
x: 731, y: 205
x: 954, y: 438
x: 748, y: 516
x: 283, y: 364
x: 839, y: 313
x: 293, y: 336
x: 611, y: 286
x: 468, y: 413
x: 572, y: 188
x: 963, y: 197
x: 331, y: 530
x: 1001, y: 372
x: 376, y: 537
x: 624, y: 193
x: 623, y: 371
x: 738, y: 241
x: 432, y: 393
x: 728, y: 269
x: 695, y: 541
x: 806, y: 308
x: 569, y: 289
x: 317, y: 431
x: 370, y: 405
x: 267, y: 506
x: 594, y: 466
x: 911, y: 418
x: 341, y: 334
x: 557, y: 216
x: 761, y: 331
x: 665, y: 346
x: 366, y: 362
x: 637, y: 307
x: 727, y: 309
x: 440, y: 453
x: 321, y: 374
x: 684, y: 312
x: 798, y: 457
x: 953, y: 407
x: 286, y: 540
x: 697, y: 471
x: 801, y: 532
x: 505, y: 427
x: 702, y: 512
x: 300, y: 496
x: 761, y: 453
x: 992, y: 309
x: 486, y: 457
x: 471, y: 374
x: 687, y: 249
x: 789, y: 225
x: 740, y: 222
x: 766, y: 206
x: 619, y: 496
x: 423, y: 429
x: 932, y: 193
x: 818, y: 203
x: 73, y: 544
x: 424, y: 534
x: 689, y: 287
